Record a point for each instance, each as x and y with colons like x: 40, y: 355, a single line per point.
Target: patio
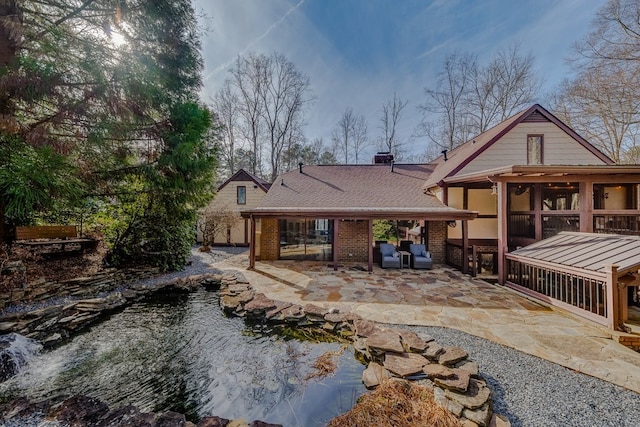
x: 447, y: 298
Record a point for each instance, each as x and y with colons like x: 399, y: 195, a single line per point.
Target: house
x: 241, y: 191
x: 525, y: 180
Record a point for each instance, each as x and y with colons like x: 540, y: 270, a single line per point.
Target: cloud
x: 255, y: 41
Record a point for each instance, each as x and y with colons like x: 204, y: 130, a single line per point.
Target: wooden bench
x: 55, y: 237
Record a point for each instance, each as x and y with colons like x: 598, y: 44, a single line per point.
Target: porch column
x: 613, y: 293
x: 252, y: 245
x: 370, y: 240
x: 586, y: 206
x: 336, y: 246
x: 502, y: 231
x: 465, y: 246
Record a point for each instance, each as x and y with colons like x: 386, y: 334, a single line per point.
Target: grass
x: 397, y: 403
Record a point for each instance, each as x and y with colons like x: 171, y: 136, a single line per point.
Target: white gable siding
x: 558, y: 149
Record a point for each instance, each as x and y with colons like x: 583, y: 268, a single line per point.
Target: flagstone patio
x: 445, y: 297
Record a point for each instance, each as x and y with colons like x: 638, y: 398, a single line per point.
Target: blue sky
x: 357, y: 53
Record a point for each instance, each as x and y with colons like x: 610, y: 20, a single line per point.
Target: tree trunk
x: 10, y: 34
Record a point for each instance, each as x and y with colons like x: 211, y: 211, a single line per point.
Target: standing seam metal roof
x: 588, y: 251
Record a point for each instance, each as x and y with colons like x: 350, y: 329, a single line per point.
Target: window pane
x: 534, y: 149
x: 561, y: 196
x: 242, y: 195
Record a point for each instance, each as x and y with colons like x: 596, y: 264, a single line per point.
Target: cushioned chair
x: 389, y: 258
x: 420, y: 257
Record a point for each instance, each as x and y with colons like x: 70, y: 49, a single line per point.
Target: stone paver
x: 447, y: 298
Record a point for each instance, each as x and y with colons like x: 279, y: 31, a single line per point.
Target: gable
x: 505, y: 145
x: 511, y: 149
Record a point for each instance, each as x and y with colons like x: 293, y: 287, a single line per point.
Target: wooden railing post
x: 613, y: 317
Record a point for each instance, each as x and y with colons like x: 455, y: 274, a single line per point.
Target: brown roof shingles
x: 369, y: 190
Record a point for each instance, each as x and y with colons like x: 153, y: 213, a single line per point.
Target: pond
x: 178, y: 352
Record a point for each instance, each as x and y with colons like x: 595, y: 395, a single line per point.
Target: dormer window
x: 534, y: 149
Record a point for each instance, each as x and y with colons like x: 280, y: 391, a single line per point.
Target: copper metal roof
x: 588, y: 251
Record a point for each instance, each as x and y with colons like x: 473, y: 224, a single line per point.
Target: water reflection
x: 178, y: 352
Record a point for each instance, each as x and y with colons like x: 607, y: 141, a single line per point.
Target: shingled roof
x: 356, y: 191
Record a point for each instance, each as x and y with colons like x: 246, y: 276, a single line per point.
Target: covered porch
x: 340, y: 235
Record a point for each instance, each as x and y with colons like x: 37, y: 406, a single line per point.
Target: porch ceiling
x: 587, y: 251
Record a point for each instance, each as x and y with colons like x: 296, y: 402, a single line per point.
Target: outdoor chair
x: 420, y: 257
x: 389, y: 258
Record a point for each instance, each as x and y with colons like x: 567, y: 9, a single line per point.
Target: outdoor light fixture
x: 494, y: 189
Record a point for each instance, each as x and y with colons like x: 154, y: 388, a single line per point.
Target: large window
x: 534, y: 149
x: 308, y: 239
x: 242, y: 195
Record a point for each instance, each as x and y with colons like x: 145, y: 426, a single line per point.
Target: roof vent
x: 444, y: 154
x: 383, y: 157
x: 300, y: 166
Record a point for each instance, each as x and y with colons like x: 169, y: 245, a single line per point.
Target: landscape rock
x: 260, y: 303
x: 171, y: 419
x: 476, y: 396
x: 365, y: 328
x: 412, y: 342
x: 458, y: 382
x: 373, y: 375
x: 404, y: 364
x: 452, y: 355
x: 435, y: 370
x: 383, y: 341
x: 480, y: 416
x: 433, y: 350
x: 81, y: 410
x: 469, y: 366
x: 213, y: 422
x: 498, y: 420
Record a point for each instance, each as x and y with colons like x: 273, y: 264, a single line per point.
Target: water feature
x: 179, y: 352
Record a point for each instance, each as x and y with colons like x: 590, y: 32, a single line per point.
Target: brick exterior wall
x: 269, y: 240
x: 437, y: 235
x: 353, y: 238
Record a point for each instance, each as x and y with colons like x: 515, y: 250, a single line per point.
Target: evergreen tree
x: 102, y: 95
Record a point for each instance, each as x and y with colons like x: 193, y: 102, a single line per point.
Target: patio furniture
x: 389, y: 258
x: 420, y: 257
x: 405, y: 259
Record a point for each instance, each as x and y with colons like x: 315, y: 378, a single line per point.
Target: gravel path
x: 534, y: 392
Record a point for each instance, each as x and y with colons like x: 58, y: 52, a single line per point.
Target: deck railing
x: 617, y: 224
x: 570, y: 289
